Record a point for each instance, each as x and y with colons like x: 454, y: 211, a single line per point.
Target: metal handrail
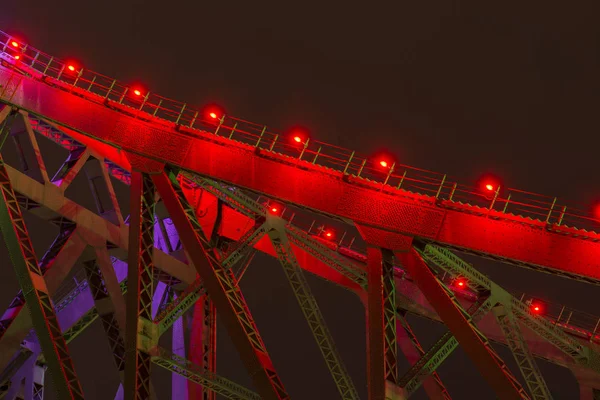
x: 164, y: 111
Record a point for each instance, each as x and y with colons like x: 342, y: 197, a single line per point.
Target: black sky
x: 453, y: 86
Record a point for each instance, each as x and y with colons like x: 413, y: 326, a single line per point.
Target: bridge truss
x: 172, y: 261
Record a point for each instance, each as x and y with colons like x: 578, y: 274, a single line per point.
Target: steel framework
x: 195, y: 223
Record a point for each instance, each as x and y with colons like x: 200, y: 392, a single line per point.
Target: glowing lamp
x: 274, y: 209
x: 17, y: 57
x: 213, y: 115
x: 297, y: 139
x: 536, y: 308
x: 383, y: 163
x: 71, y: 68
x: 327, y: 234
x: 489, y: 187
x: 137, y: 92
x: 14, y: 44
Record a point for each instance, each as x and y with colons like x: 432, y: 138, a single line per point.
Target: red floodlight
x: 327, y: 234
x: 17, y: 57
x: 299, y: 135
x: 14, y: 43
x: 275, y: 208
x: 213, y: 112
x: 536, y: 307
x: 460, y: 283
x: 596, y: 211
x: 489, y: 187
x: 71, y: 68
x: 137, y: 92
x: 383, y: 163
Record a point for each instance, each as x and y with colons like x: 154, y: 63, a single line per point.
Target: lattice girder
x: 195, y: 374
x: 457, y: 319
x: 223, y: 289
x: 434, y: 387
x: 525, y: 361
x: 440, y: 350
x: 249, y: 207
x: 583, y: 355
x: 310, y: 308
x: 31, y: 280
x: 106, y: 312
x: 382, y: 367
x: 140, y: 287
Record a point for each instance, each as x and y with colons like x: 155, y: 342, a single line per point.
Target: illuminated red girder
x: 397, y: 216
x: 505, y: 236
x: 376, y: 373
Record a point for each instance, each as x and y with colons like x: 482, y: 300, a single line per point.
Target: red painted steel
x: 375, y: 326
x: 493, y: 233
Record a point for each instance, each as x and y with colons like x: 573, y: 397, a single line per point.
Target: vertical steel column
x: 32, y: 283
x: 223, y: 289
x: 179, y: 384
x: 458, y: 324
x: 203, y: 345
x: 140, y: 286
x: 381, y: 323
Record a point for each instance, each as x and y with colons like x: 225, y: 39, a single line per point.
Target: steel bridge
x: 208, y: 192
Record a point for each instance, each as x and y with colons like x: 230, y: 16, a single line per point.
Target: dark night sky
x: 458, y: 87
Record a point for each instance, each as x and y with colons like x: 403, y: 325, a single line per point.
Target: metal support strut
x: 32, y: 282
x: 312, y: 313
x: 382, y: 367
x: 223, y: 289
x: 140, y: 287
x: 505, y: 386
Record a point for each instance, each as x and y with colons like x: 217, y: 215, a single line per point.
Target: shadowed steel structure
x: 201, y: 206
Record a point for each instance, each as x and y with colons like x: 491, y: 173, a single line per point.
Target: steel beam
x: 223, y: 289
x: 203, y: 345
x: 430, y: 361
x: 583, y: 355
x: 62, y: 255
x: 413, y: 351
x: 382, y: 368
x: 140, y: 287
x: 33, y: 285
x: 70, y: 168
x: 55, y: 203
x: 36, y: 148
x: 310, y: 309
x: 472, y: 342
x: 512, y: 332
x: 194, y: 373
x: 106, y: 312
